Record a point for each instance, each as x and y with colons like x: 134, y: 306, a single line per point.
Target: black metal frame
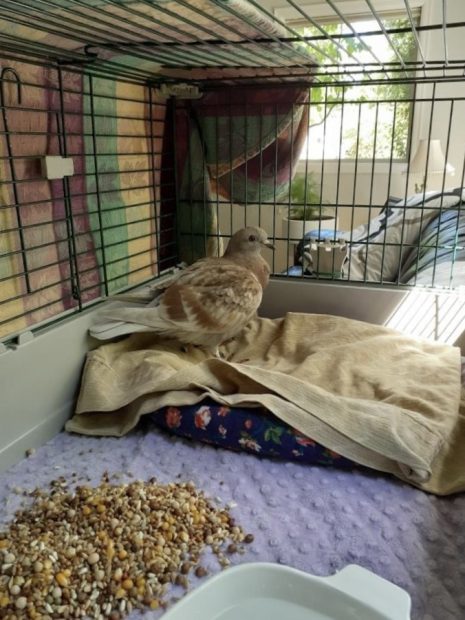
x: 175, y: 40
x: 62, y: 133
x: 85, y: 38
x: 372, y: 207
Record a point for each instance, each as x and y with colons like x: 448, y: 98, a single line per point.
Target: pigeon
x: 210, y: 301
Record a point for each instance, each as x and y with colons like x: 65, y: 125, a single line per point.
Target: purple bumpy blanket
x: 316, y: 519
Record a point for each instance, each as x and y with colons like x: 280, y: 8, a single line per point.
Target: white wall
x: 432, y: 43
x: 38, y: 384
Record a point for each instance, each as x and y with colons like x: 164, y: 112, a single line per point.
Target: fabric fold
x: 239, y: 146
x: 374, y: 395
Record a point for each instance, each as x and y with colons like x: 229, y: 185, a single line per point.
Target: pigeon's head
x: 249, y: 239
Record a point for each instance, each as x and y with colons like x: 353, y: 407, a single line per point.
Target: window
x: 357, y: 113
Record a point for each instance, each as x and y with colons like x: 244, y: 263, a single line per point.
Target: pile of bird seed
x: 101, y: 552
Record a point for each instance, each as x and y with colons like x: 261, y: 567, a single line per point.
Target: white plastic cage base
x: 275, y: 592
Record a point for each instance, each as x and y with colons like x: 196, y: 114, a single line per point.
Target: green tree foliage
x: 385, y: 113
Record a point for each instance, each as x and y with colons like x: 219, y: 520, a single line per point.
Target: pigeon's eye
x: 252, y: 238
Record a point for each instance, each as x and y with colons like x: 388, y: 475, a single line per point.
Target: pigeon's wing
x: 149, y: 294
x: 120, y: 320
x: 212, y: 297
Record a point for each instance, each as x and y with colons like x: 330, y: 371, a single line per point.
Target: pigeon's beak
x: 268, y: 244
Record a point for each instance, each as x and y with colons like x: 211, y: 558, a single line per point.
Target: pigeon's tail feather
x: 138, y: 316
x: 121, y: 321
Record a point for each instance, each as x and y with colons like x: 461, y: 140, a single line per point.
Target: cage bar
x: 127, y: 152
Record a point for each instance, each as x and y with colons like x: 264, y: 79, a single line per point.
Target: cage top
x: 236, y: 41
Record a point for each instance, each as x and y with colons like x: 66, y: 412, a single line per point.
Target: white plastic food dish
x: 263, y: 591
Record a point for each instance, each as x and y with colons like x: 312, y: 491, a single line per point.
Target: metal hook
x: 12, y: 165
x: 18, y: 83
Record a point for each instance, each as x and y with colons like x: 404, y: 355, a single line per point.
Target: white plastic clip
x: 181, y: 91
x: 25, y: 337
x: 56, y: 167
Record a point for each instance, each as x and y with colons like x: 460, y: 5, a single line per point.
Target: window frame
x: 357, y: 10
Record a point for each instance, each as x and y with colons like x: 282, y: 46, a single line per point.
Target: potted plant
x: 306, y: 212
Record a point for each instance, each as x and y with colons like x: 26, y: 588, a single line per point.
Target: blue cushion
x: 253, y: 430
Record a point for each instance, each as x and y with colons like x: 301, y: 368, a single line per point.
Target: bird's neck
x: 254, y: 262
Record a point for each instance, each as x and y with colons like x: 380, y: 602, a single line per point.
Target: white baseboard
x: 39, y: 379
x: 362, y: 303
x: 34, y: 437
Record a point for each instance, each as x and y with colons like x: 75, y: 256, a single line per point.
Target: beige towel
x: 374, y: 395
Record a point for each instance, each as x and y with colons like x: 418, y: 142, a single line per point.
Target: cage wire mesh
x: 68, y: 241
x: 354, y: 177
x: 340, y: 134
